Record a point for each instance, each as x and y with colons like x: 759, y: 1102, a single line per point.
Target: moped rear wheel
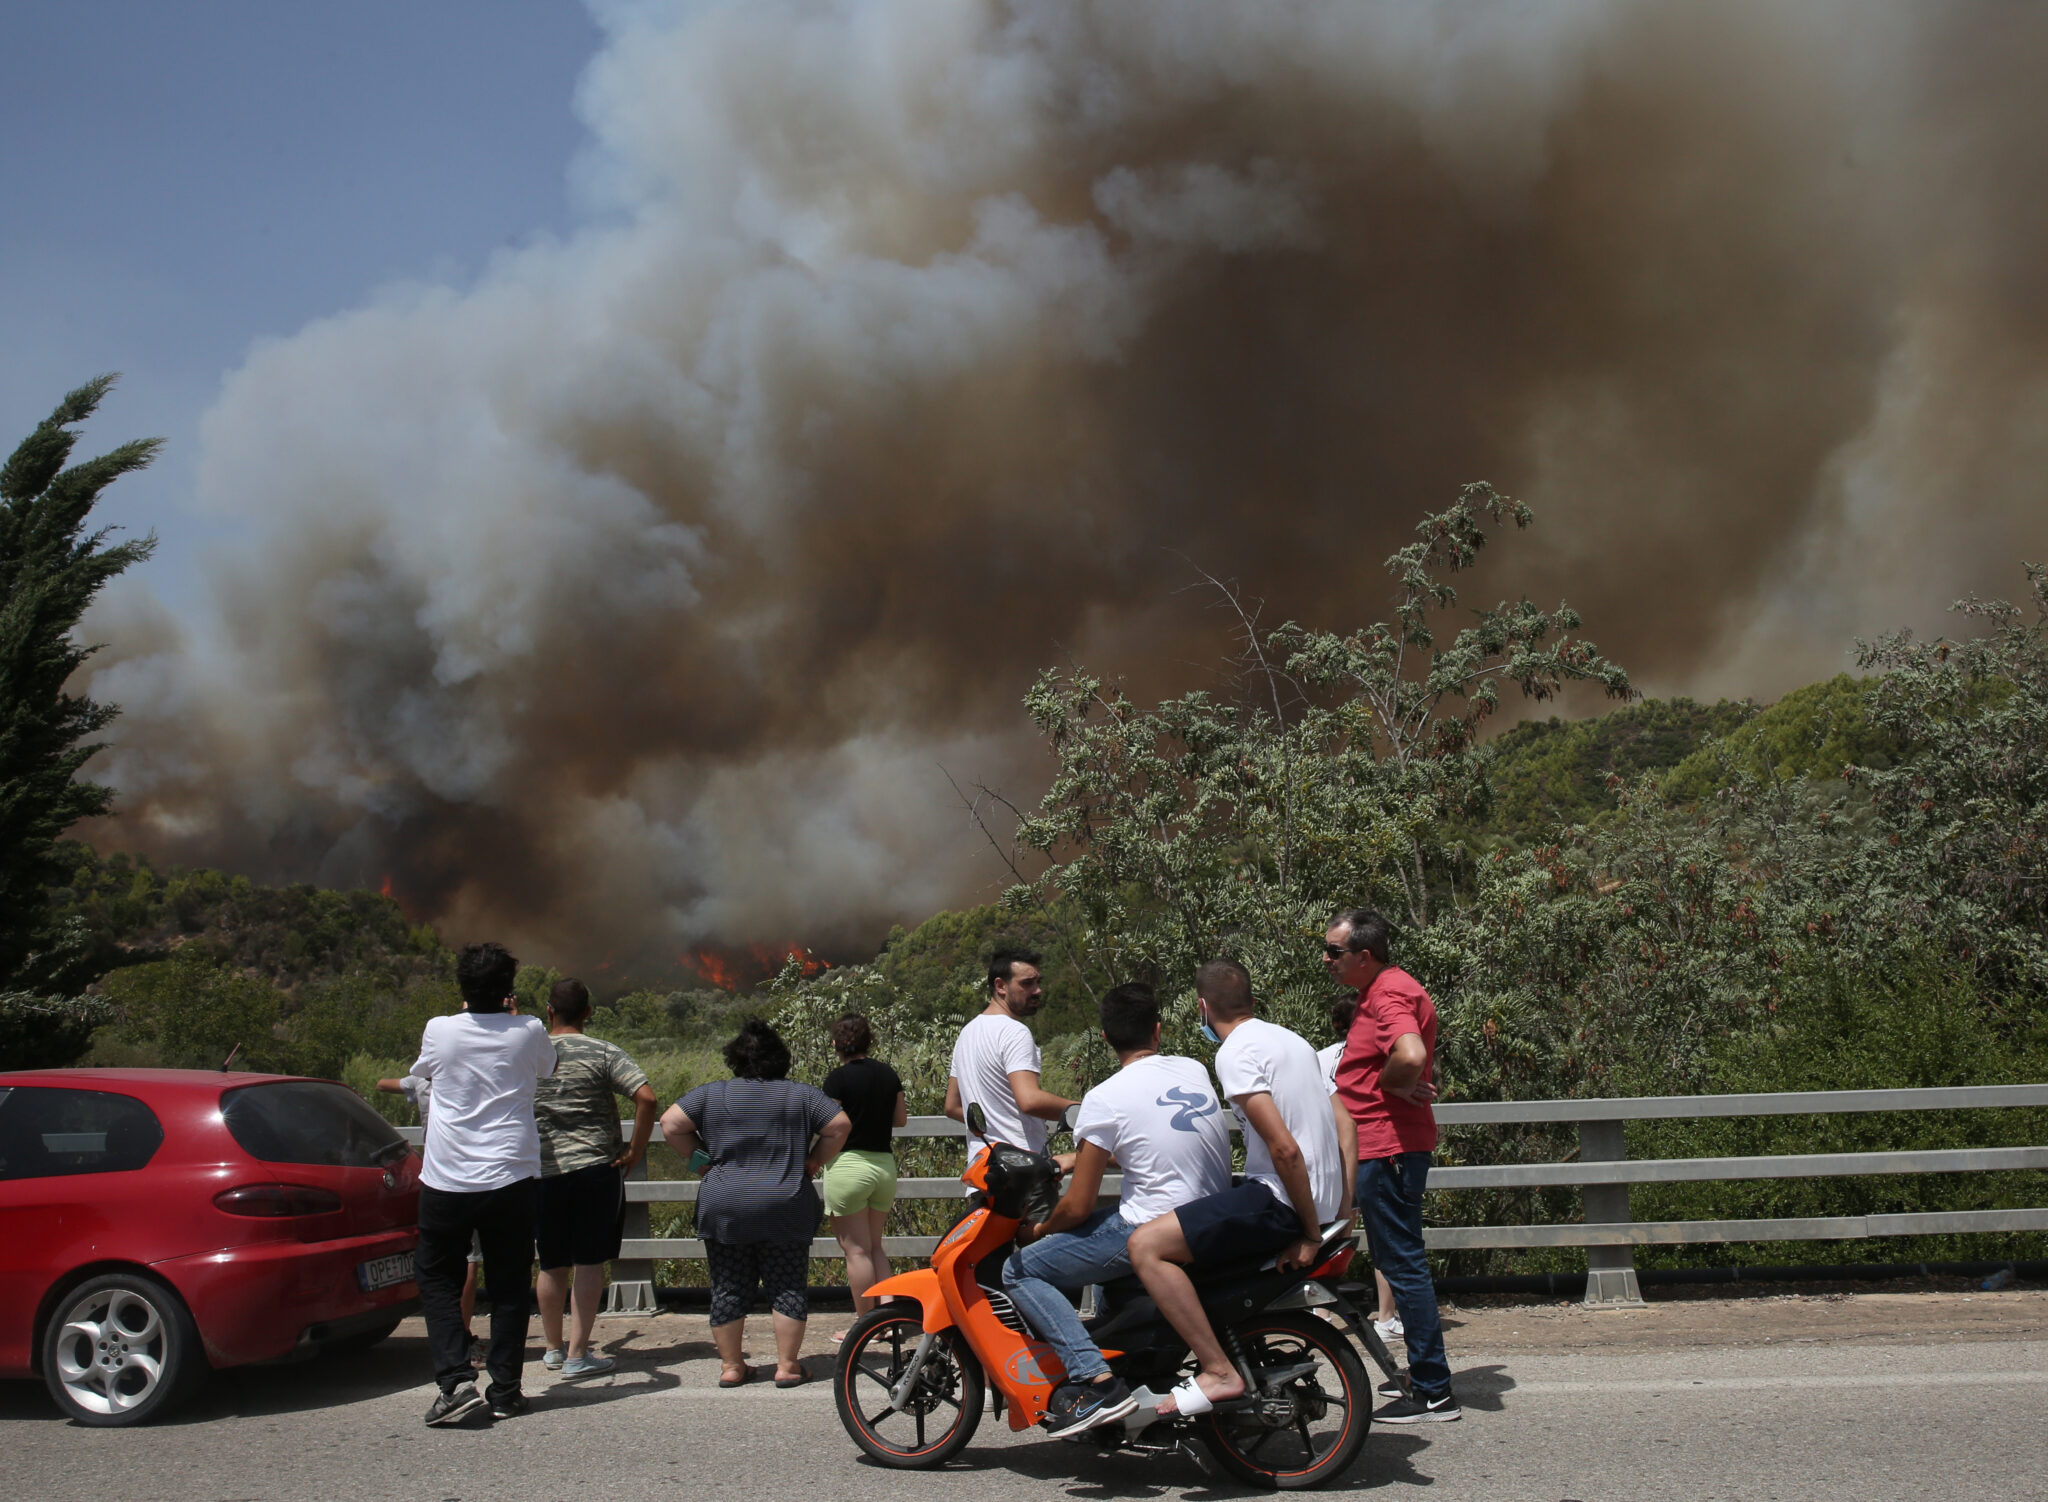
x: 1311, y: 1427
x: 943, y: 1410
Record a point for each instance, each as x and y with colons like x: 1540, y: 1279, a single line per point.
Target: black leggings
x: 739, y: 1269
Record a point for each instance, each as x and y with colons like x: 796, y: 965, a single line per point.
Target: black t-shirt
x: 867, y: 1090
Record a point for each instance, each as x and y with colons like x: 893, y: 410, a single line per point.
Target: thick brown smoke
x: 634, y: 595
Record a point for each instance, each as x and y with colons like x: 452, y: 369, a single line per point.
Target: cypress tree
x: 51, y: 569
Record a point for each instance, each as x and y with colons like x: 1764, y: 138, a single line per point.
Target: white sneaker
x: 553, y: 1360
x: 1389, y: 1329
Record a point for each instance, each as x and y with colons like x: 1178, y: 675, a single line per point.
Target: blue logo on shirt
x: 1193, y: 1107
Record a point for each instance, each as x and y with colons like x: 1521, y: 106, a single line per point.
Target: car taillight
x: 277, y: 1201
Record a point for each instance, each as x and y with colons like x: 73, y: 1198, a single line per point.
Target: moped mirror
x: 1070, y: 1116
x: 977, y: 1120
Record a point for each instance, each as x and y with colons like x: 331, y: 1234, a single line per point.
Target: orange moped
x: 916, y: 1371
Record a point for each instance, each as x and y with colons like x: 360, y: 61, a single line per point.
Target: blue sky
x: 181, y: 180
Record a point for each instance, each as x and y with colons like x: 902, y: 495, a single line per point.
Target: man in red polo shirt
x: 1386, y: 1079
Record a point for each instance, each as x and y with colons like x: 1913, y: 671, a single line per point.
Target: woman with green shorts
x: 860, y: 1184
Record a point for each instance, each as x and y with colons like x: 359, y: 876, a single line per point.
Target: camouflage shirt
x: 577, y: 1109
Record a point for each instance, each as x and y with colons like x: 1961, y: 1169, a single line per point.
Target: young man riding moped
x: 1158, y: 1120
x: 916, y: 1372
x: 1299, y: 1156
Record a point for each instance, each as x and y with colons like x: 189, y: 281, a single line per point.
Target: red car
x: 158, y: 1223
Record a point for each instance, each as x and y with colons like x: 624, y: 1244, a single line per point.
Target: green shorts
x: 860, y: 1180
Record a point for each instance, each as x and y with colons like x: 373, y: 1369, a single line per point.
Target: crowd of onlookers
x: 523, y: 1163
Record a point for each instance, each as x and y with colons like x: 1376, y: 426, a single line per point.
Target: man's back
x: 1159, y: 1119
x: 1263, y: 1056
x: 483, y: 1067
x: 988, y: 1051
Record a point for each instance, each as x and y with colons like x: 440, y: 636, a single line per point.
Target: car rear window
x: 48, y: 1132
x: 306, y: 1121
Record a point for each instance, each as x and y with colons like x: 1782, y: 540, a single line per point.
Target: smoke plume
x: 634, y: 595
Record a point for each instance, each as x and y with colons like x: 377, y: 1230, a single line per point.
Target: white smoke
x: 632, y: 595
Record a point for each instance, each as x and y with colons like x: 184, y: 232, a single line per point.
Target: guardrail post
x: 632, y: 1286
x: 1610, y: 1270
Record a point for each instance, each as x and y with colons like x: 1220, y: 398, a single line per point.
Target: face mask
x: 1207, y: 1031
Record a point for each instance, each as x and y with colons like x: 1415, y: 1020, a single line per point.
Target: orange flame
x: 385, y: 889
x: 773, y: 958
x: 711, y: 965
x: 731, y: 970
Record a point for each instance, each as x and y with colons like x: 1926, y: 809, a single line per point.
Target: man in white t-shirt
x: 481, y: 1177
x: 995, y: 1060
x: 1296, y: 1176
x: 1158, y: 1119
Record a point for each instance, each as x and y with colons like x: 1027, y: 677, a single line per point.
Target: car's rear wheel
x: 122, y: 1349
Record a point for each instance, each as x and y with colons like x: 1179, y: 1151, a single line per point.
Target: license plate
x: 384, y: 1272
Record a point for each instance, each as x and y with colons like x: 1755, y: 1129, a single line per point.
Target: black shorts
x: 1246, y: 1223
x: 582, y: 1217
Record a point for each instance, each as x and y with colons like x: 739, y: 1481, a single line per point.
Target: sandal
x: 1189, y: 1401
x: 797, y: 1381
x: 746, y: 1376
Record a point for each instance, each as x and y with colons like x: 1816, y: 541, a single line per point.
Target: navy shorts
x: 581, y: 1217
x: 1246, y: 1223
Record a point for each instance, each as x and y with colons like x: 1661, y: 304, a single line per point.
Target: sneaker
x: 1418, y: 1409
x: 553, y: 1360
x: 454, y: 1407
x: 587, y: 1365
x: 1393, y: 1387
x: 1083, y: 1405
x: 512, y: 1407
x: 1390, y: 1329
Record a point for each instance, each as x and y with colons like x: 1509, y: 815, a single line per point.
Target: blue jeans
x: 1093, y: 1252
x: 1390, y: 1201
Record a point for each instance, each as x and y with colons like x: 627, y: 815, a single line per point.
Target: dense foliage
x: 51, y: 568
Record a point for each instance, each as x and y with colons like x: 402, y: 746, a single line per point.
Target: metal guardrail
x: 1603, y: 1172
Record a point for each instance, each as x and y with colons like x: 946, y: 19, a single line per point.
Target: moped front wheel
x: 941, y: 1411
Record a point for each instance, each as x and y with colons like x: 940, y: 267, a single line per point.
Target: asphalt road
x: 1650, y: 1413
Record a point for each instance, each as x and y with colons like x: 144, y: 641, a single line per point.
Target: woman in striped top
x: 766, y: 1135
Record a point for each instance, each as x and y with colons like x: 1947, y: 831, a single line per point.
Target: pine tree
x: 51, y: 569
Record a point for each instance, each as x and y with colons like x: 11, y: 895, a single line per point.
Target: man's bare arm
x: 953, y: 1107
x: 1032, y: 1100
x: 1401, y: 1075
x: 646, y: 1104
x: 1078, y: 1203
x: 1292, y: 1167
x: 1347, y: 1147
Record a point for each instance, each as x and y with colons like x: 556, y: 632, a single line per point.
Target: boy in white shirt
x: 1298, y: 1166
x: 481, y: 1176
x: 1159, y: 1121
x: 996, y: 1060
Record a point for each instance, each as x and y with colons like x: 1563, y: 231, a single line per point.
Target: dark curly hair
x: 851, y: 1036
x: 757, y: 1053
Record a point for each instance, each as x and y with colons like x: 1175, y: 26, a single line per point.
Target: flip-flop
x: 797, y: 1381
x: 740, y: 1381
x: 1189, y: 1401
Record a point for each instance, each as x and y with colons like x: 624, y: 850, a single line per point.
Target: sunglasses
x: 1335, y: 951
